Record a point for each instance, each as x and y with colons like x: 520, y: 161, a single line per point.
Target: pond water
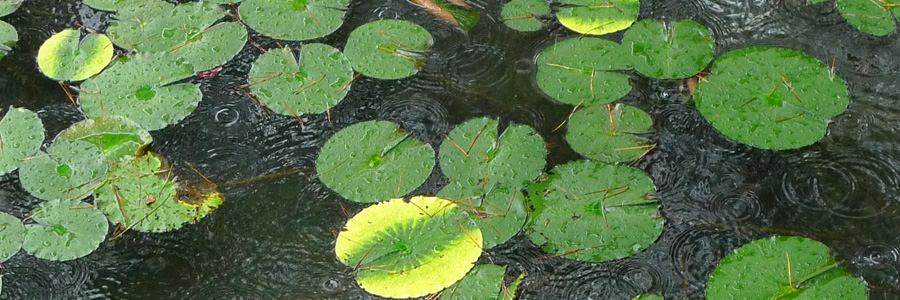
x: 274, y: 236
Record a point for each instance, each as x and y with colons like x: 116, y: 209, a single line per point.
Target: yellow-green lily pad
x: 68, y: 57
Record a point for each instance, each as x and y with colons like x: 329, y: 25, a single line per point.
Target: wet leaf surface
x: 388, y: 49
x: 21, y: 135
x: 65, y: 230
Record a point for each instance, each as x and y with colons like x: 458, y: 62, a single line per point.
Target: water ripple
x: 878, y: 263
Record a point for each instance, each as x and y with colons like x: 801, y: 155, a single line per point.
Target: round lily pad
x: 66, y: 56
x: 70, y: 170
x: 592, y: 211
x: 21, y: 135
x: 482, y: 282
x: 388, y: 49
x: 319, y: 81
x: 8, y: 38
x: 158, y: 27
x: 771, y: 98
x: 9, y: 6
x: 474, y: 151
x: 598, y: 17
x: 65, y: 230
x: 522, y: 15
x: 403, y: 249
x: 294, y: 20
x: 870, y: 16
x: 372, y: 161
x: 672, y: 50
x: 12, y: 235
x: 499, y: 210
x: 116, y: 136
x: 609, y: 133
x: 782, y: 267
x: 580, y: 71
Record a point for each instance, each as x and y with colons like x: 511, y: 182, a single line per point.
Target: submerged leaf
x: 65, y: 230
x: 66, y: 56
x: 388, y: 49
x: 21, y: 135
x: 294, y: 20
x: 598, y: 17
x: 70, y: 170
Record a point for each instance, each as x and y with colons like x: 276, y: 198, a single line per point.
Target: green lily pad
x: 580, y: 71
x: 65, y: 230
x: 21, y: 135
x: 409, y: 249
x: 510, y: 292
x: 648, y: 297
x: 71, y: 170
x: 66, y: 56
x: 318, y: 82
x: 592, y: 134
x: 669, y: 50
x: 592, y: 211
x: 475, y: 152
x: 771, y: 98
x: 116, y: 136
x: 522, y: 15
x: 12, y: 235
x: 9, y: 6
x: 498, y: 210
x: 482, y: 282
x: 372, y: 161
x: 8, y: 38
x: 870, y: 16
x: 598, y: 17
x: 388, y: 49
x: 782, y: 267
x: 294, y: 20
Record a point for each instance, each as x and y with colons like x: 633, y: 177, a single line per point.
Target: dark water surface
x: 274, y: 236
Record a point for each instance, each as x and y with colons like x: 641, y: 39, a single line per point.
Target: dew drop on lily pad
x: 388, y: 49
x: 294, y: 20
x: 598, y: 17
x: 583, y: 71
x: 593, y: 134
x: 21, y: 135
x: 69, y: 170
x: 65, y: 230
x: 669, y: 50
x: 69, y: 57
x: 12, y: 235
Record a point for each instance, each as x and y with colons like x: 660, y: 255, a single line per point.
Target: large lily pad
x: 598, y: 17
x: 782, y: 267
x: 116, y: 136
x: 409, y: 249
x: 319, y: 81
x: 522, y: 15
x: 499, y: 210
x: 66, y: 56
x: 21, y: 135
x: 592, y: 211
x: 609, y: 132
x: 12, y: 235
x: 70, y: 170
x: 294, y: 20
x: 580, y: 71
x: 772, y: 98
x: 9, y: 6
x: 482, y: 282
x: 870, y: 16
x: 475, y: 152
x: 388, y: 49
x: 65, y: 230
x: 8, y: 38
x: 372, y: 161
x: 669, y: 50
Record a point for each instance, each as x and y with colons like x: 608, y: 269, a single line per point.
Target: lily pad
x: 70, y: 170
x: 593, y: 134
x: 598, y: 17
x: 116, y: 136
x: 409, y: 249
x: 782, y: 267
x: 648, y: 297
x: 522, y: 15
x: 372, y: 161
x: 388, y: 49
x: 65, y: 230
x: 482, y: 282
x: 66, y: 56
x: 475, y: 152
x: 8, y: 38
x: 581, y: 71
x: 592, y: 211
x: 672, y: 50
x: 318, y: 82
x: 21, y: 135
x: 294, y: 20
x: 499, y: 210
x: 12, y: 235
x: 771, y: 98
x: 870, y: 16
x: 9, y: 6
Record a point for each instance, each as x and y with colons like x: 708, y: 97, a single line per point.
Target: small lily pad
x: 782, y: 267
x: 372, y: 161
x: 672, y: 50
x: 499, y: 210
x: 592, y: 211
x: 65, y: 230
x: 294, y: 20
x: 21, y: 135
x: 319, y: 81
x: 648, y: 297
x: 116, y: 136
x: 771, y: 98
x: 581, y: 71
x: 70, y: 170
x: 8, y: 38
x: 482, y: 282
x: 870, y: 16
x: 9, y: 6
x: 474, y: 151
x: 522, y: 15
x: 66, y: 56
x: 593, y: 134
x: 388, y: 49
x: 598, y: 17
x: 409, y: 249
x: 12, y: 235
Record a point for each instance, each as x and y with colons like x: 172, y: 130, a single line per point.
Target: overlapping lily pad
x: 609, y: 133
x: 499, y: 210
x: 482, y: 282
x: 582, y: 71
x: 65, y: 230
x: 672, y: 50
x: 69, y: 170
x: 294, y: 20
x: 319, y: 81
x: 875, y: 17
x: 772, y: 98
x: 598, y: 17
x: 69, y: 57
x: 116, y: 136
x: 592, y: 211
x: 475, y: 152
x: 21, y: 135
x: 12, y: 235
x: 782, y: 267
x: 388, y: 49
x: 409, y: 249
x: 372, y: 161
x: 522, y: 15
